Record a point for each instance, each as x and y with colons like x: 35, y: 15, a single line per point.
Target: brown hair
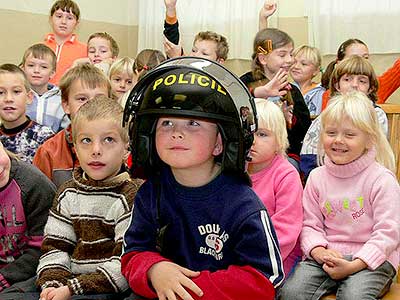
x: 265, y: 41
x: 88, y: 74
x: 222, y: 43
x: 146, y: 60
x: 100, y: 108
x: 104, y: 35
x: 14, y: 69
x: 40, y: 51
x: 355, y: 65
x: 326, y: 76
x: 67, y: 6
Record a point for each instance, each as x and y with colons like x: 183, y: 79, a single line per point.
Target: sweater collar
x: 353, y: 168
x: 87, y: 183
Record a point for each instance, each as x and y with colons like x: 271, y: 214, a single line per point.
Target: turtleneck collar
x: 353, y: 168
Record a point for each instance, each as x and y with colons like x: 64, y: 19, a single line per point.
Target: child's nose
x: 177, y: 132
x: 96, y: 149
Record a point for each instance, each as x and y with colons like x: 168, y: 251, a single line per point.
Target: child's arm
x: 288, y: 216
x: 313, y: 233
x: 266, y: 11
x: 385, y: 235
x: 171, y: 25
x: 309, y: 149
x: 389, y: 82
x: 36, y: 202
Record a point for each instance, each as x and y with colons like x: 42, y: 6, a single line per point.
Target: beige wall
x: 20, y: 29
x: 24, y: 22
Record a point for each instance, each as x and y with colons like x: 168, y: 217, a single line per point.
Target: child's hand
x: 320, y: 253
x: 170, y: 281
x: 52, y: 293
x: 288, y: 113
x: 268, y: 9
x: 172, y: 50
x: 339, y: 268
x: 80, y: 61
x: 170, y: 3
x: 275, y: 87
x: 45, y: 292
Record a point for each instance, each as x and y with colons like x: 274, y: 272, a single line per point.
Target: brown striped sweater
x: 84, y: 235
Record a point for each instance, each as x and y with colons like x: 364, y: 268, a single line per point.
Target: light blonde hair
x: 271, y: 117
x: 121, y: 65
x: 106, y: 36
x: 14, y: 69
x: 88, y: 74
x: 358, y: 108
x: 220, y: 40
x: 98, y: 109
x: 40, y: 51
x: 310, y: 53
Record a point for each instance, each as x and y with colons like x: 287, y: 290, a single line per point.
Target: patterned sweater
x: 84, y: 233
x: 25, y: 139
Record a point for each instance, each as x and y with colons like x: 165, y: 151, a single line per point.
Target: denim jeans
x: 310, y: 282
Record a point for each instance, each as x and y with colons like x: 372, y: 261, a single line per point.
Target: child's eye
x: 117, y: 79
x: 109, y: 139
x: 85, y: 140
x: 82, y: 99
x: 330, y: 133
x: 194, y: 123
x: 17, y: 92
x: 129, y: 82
x: 71, y: 18
x: 92, y: 50
x: 30, y: 65
x: 45, y: 67
x: 166, y: 123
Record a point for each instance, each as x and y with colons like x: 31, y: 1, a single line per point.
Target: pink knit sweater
x: 279, y: 188
x: 355, y: 209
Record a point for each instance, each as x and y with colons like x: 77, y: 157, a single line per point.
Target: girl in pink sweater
x: 351, y: 228
x: 276, y: 181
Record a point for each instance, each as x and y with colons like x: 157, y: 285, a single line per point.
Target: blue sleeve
x: 256, y: 242
x: 142, y: 231
x: 308, y: 162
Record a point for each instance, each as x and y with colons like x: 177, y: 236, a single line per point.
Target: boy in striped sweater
x: 84, y: 232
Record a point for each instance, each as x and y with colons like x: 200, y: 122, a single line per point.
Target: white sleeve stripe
x: 272, y: 247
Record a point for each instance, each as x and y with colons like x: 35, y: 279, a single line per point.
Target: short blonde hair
x: 357, y: 107
x: 88, y: 74
x: 220, y: 40
x: 100, y: 108
x: 40, y: 51
x: 106, y: 36
x: 123, y: 64
x: 310, y: 53
x: 271, y: 117
x: 14, y: 69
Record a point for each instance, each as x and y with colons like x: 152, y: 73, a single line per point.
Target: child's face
x: 279, y: 58
x: 100, y: 148
x: 99, y: 49
x: 5, y: 167
x: 349, y: 82
x: 205, y: 49
x: 79, y: 94
x: 264, y: 149
x: 13, y: 100
x: 188, y: 144
x: 357, y: 49
x: 121, y: 83
x: 303, y: 69
x: 63, y: 23
x: 38, y: 70
x: 343, y: 142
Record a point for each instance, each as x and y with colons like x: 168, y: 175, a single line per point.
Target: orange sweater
x: 66, y: 54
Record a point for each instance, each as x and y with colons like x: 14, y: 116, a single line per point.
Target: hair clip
x: 146, y: 67
x: 269, y: 48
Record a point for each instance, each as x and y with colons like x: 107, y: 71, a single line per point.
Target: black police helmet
x: 196, y: 88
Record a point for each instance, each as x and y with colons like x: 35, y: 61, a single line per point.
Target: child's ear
x: 29, y: 97
x: 218, y: 148
x: 65, y: 106
x: 126, y: 152
x: 337, y: 87
x: 52, y: 74
x: 262, y: 58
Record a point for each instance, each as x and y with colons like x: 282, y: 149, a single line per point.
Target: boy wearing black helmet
x: 198, y: 231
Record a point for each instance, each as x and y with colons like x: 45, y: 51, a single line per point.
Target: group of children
x: 222, y: 213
